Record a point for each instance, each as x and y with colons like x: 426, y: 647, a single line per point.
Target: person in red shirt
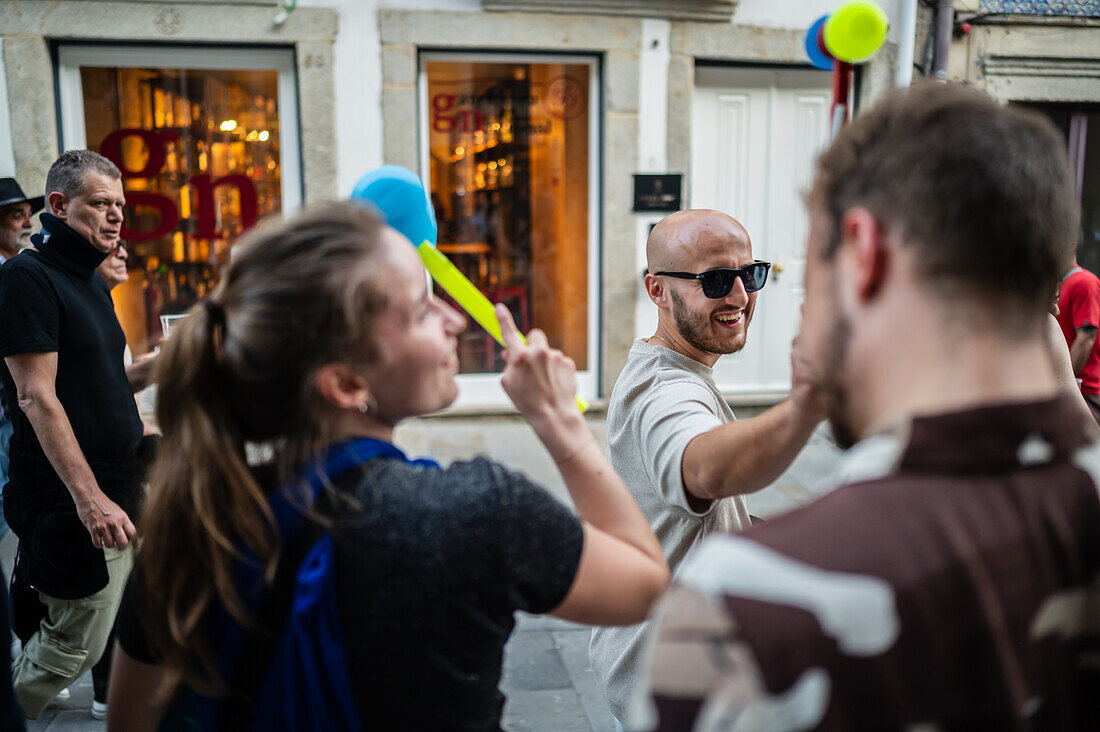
x: 1079, y: 316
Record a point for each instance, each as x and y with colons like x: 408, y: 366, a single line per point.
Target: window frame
x: 70, y: 95
x: 484, y: 390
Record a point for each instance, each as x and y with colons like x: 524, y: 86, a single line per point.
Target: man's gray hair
x: 68, y: 172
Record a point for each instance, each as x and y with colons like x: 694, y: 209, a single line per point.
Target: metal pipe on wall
x: 903, y: 74
x: 945, y: 21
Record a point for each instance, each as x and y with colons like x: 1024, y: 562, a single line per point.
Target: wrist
x: 559, y: 419
x: 585, y: 444
x: 805, y: 406
x: 562, y: 431
x: 83, y: 495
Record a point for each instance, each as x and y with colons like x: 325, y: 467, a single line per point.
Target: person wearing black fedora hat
x: 15, y: 234
x: 15, y: 217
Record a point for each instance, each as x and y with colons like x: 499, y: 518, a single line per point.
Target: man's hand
x: 805, y: 392
x: 108, y: 524
x: 537, y: 378
x: 140, y: 371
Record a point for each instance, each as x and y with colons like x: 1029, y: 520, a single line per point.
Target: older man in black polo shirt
x: 73, y: 478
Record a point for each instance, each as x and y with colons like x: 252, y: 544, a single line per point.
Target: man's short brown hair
x: 982, y: 192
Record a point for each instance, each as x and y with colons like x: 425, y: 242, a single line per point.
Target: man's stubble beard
x: 834, y: 392
x: 10, y: 245
x: 695, y: 328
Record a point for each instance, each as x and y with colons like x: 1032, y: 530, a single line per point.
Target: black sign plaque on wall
x: 657, y: 192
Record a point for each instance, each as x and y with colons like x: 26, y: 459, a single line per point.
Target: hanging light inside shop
x: 264, y: 134
x: 228, y: 125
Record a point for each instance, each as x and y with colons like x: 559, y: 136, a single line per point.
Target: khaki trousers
x: 70, y: 639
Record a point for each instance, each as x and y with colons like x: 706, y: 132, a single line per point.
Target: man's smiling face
x: 712, y: 325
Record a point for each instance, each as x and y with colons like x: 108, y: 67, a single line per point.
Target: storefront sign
x: 469, y: 113
x: 657, y: 192
x: 566, y: 98
x: 203, y: 186
x: 446, y: 118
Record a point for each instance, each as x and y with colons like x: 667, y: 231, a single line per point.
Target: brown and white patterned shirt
x: 952, y: 583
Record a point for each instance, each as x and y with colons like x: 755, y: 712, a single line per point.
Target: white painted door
x: 755, y: 135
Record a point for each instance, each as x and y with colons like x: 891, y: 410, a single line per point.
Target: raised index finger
x: 508, y: 330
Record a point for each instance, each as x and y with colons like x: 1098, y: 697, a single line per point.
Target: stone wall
x: 1023, y: 58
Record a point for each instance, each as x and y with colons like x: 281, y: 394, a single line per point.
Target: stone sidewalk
x: 547, y: 681
x: 74, y: 713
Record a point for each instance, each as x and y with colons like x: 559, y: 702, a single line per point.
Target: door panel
x: 755, y: 136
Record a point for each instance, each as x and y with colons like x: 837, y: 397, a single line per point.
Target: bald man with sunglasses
x: 671, y: 434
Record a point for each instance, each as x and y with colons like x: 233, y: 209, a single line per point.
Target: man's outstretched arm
x: 747, y: 455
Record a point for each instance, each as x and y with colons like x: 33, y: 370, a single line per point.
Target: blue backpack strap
x: 306, y: 686
x: 298, y: 606
x: 338, y: 459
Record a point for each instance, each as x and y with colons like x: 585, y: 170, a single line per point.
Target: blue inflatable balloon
x: 813, y: 50
x: 400, y: 196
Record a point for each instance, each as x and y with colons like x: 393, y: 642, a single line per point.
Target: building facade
x: 1043, y: 54
x: 553, y: 135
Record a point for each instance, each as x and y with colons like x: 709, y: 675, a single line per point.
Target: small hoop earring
x: 369, y: 405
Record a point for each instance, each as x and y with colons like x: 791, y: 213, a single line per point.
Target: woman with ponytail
x: 320, y: 339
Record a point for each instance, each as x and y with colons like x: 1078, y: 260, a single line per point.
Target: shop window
x: 201, y: 143
x: 510, y: 156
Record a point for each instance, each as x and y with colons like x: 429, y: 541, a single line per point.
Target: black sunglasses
x: 718, y: 282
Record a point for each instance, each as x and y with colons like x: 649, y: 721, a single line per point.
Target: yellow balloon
x: 856, y: 31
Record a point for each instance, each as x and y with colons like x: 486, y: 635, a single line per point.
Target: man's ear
x: 864, y: 239
x: 342, y: 386
x: 59, y: 204
x: 656, y: 290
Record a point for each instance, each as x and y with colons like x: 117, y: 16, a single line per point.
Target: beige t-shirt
x: 661, y: 401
